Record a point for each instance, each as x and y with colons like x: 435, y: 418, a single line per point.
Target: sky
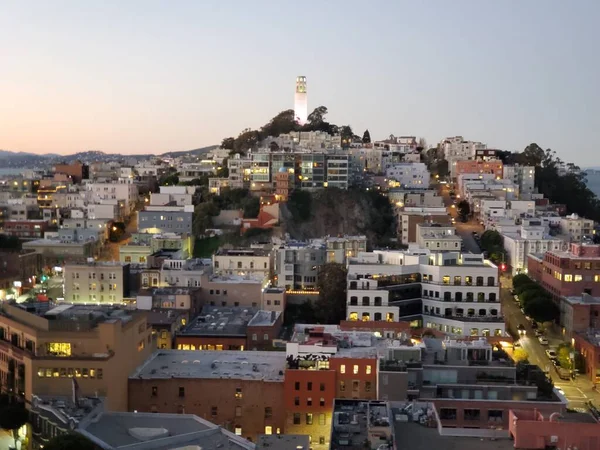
x: 155, y: 76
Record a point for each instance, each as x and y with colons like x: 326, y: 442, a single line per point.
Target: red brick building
x: 570, y: 273
x: 76, y: 170
x: 535, y: 430
x: 588, y: 345
x: 241, y: 391
x: 26, y: 229
x: 479, y: 166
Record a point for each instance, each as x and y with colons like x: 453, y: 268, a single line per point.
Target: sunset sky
x: 155, y: 76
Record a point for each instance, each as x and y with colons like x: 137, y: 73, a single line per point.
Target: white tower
x: 301, y: 101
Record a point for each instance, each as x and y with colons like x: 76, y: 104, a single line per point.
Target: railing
x: 438, y: 283
x: 464, y: 300
x: 463, y: 318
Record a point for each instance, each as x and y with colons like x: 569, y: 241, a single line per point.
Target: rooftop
x: 113, y: 430
x: 161, y: 317
x: 254, y: 365
x: 168, y: 291
x: 592, y: 336
x: 357, y: 421
x: 64, y: 409
x: 583, y: 299
x: 220, y: 321
x: 242, y: 252
x: 283, y: 442
x: 413, y: 436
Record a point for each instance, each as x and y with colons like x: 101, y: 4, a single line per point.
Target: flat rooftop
x: 254, y: 365
x: 355, y: 421
x: 582, y: 300
x: 160, y: 432
x: 413, y: 436
x: 242, y: 252
x: 220, y: 321
x: 283, y: 442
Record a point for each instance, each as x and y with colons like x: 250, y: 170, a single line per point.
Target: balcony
x: 465, y: 318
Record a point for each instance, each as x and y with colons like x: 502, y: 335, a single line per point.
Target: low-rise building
x: 240, y: 391
x: 297, y: 264
x: 26, y: 229
x: 587, y: 343
x: 44, y: 347
x: 437, y: 237
x: 577, y: 227
x: 221, y: 328
x: 166, y: 219
x: 409, y: 175
x: 478, y: 167
x: 410, y: 217
x: 339, y: 249
x: 361, y: 424
x: 522, y: 176
x: 528, y: 240
x: 97, y: 282
x: 184, y: 300
x: 252, y: 262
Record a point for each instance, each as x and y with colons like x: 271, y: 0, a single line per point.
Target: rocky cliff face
x: 336, y: 212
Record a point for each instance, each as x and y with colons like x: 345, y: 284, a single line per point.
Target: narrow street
x: 463, y: 229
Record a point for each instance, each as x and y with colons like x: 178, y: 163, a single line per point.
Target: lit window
x: 59, y: 348
x: 369, y: 370
x: 568, y: 277
x: 238, y: 430
x: 343, y: 368
x: 238, y: 392
x: 268, y: 429
x: 355, y: 369
x: 578, y: 278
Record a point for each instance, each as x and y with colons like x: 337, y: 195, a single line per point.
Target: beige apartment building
x: 44, y: 348
x: 97, y: 282
x: 245, y: 262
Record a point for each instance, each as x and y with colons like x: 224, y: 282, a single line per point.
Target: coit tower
x: 301, y: 101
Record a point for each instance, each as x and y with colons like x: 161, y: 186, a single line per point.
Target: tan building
x: 42, y: 351
x: 409, y: 219
x: 438, y: 237
x: 245, y: 262
x: 97, y: 282
x: 341, y: 248
x: 230, y: 291
x: 576, y: 227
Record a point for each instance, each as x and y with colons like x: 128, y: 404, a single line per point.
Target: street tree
x: 464, y: 209
x: 542, y: 309
x: 70, y: 441
x: 12, y: 417
x: 366, y: 139
x: 520, y: 354
x: 330, y: 307
x: 227, y: 143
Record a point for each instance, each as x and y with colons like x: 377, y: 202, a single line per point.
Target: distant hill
x: 10, y: 159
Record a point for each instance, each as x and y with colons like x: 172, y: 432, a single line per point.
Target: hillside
x: 336, y: 212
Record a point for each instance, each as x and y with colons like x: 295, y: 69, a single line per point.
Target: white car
x: 543, y: 340
x: 551, y: 354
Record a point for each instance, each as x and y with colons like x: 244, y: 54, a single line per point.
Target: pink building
x: 478, y: 166
x: 531, y: 429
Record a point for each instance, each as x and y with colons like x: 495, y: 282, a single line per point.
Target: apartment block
x: 408, y: 175
x: 577, y: 227
x: 454, y: 293
x: 529, y: 240
x: 245, y: 262
x: 166, y: 219
x: 297, y: 265
x: 437, y: 237
x: 410, y: 217
x: 522, y: 176
x: 97, y: 282
x: 44, y: 347
x: 479, y: 167
x: 339, y: 249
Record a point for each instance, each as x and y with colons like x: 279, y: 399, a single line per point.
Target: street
x: 579, y: 391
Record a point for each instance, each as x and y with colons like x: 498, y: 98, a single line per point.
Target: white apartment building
x: 96, y: 282
x: 522, y: 176
x: 437, y: 237
x: 100, y: 211
x: 576, y: 227
x: 528, y: 239
x: 413, y: 175
x: 180, y: 195
x: 457, y: 149
x: 339, y: 249
x: 178, y: 272
x: 250, y: 263
x: 122, y: 192
x: 454, y: 293
x: 191, y: 171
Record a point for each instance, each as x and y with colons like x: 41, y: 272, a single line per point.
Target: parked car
x: 543, y: 340
x: 538, y: 332
x: 551, y: 354
x: 563, y: 374
x: 516, y: 297
x: 512, y: 292
x: 534, y: 324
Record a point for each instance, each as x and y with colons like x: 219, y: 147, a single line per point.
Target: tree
x: 70, y: 441
x: 300, y: 205
x: 317, y: 116
x: 347, y: 135
x: 171, y: 180
x: 532, y: 292
x: 227, y: 143
x: 203, y: 217
x: 12, y: 417
x: 282, y: 123
x: 520, y: 280
x: 366, y: 139
x: 331, y: 283
x: 116, y: 232
x: 520, y: 354
x: 251, y: 207
x: 464, y: 209
x: 421, y: 144
x: 542, y: 309
x: 9, y: 242
x: 247, y: 140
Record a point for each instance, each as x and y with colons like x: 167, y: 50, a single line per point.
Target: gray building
x: 167, y: 219
x: 297, y: 265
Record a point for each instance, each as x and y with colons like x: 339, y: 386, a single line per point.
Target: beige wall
x: 94, y: 283
x: 219, y: 292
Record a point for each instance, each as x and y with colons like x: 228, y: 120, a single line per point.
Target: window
x: 99, y: 374
x: 568, y: 277
x: 238, y: 411
x: 296, y: 401
x: 239, y: 265
x: 355, y: 369
x: 367, y: 386
x: 322, y: 387
x: 214, y: 411
x: 446, y: 279
x: 343, y: 368
x: 321, y: 401
x: 577, y: 278
x: 448, y: 413
x: 255, y: 337
x: 368, y: 369
x: 154, y: 391
x: 322, y: 438
x: 309, y: 401
x: 309, y: 419
x: 296, y: 418
x: 268, y: 429
x: 238, y: 392
x: 342, y: 386
x: 181, y: 391
x: 58, y: 349
x: 495, y: 415
x: 265, y: 337
x: 297, y: 386
x: 309, y: 386
x: 268, y: 412
x: 238, y: 430
x: 472, y: 414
